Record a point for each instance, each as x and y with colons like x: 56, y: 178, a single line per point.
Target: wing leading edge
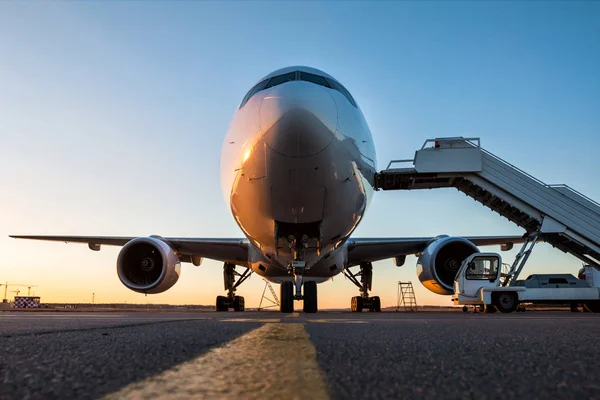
x: 233, y: 251
x: 376, y: 249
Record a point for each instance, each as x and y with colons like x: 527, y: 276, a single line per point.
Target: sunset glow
x: 112, y: 125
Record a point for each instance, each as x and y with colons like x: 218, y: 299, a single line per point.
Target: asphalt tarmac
x: 338, y: 355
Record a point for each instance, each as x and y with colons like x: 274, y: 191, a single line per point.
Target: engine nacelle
x: 148, y: 265
x: 439, y: 263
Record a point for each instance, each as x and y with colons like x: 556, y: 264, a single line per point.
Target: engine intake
x: 148, y: 265
x: 438, y: 265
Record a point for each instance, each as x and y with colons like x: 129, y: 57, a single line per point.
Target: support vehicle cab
x: 480, y: 281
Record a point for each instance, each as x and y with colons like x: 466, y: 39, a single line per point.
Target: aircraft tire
x: 356, y: 305
x: 238, y: 303
x: 310, y: 297
x: 221, y: 304
x: 286, y: 293
x: 376, y: 304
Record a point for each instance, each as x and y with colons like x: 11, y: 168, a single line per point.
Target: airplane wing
x: 233, y: 251
x: 376, y: 249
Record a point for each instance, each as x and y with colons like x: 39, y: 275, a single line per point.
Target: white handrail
x: 562, y: 185
x: 399, y: 161
x: 454, y: 139
x: 476, y: 142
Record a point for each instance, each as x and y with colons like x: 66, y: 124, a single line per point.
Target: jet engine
x: 438, y: 265
x: 148, y: 265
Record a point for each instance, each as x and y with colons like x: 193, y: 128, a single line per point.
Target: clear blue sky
x: 113, y: 113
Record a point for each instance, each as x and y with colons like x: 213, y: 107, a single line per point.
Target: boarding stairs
x: 556, y: 214
x: 406, y: 297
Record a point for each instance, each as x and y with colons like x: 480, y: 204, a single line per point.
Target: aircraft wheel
x: 356, y: 305
x: 506, y: 302
x: 238, y: 303
x: 221, y: 304
x: 310, y: 297
x: 286, y: 293
x: 376, y: 304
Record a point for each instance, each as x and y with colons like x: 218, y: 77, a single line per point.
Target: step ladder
x: 555, y: 214
x: 406, y: 297
x: 274, y: 301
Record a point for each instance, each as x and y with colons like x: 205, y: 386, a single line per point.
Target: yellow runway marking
x: 263, y: 320
x: 274, y: 361
x: 338, y: 321
x: 293, y: 315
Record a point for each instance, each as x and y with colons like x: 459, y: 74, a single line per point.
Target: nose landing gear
x: 287, y: 297
x: 297, y: 243
x: 292, y: 290
x: 358, y: 303
x: 231, y: 300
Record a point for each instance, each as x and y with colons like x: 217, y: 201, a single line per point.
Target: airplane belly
x: 331, y: 264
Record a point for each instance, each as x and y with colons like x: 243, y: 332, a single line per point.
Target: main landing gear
x: 363, y: 301
x: 231, y: 300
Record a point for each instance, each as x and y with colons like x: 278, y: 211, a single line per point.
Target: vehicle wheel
x: 221, y: 304
x: 574, y: 307
x: 376, y: 304
x: 592, y: 306
x: 356, y: 304
x: 465, y: 309
x: 506, y: 302
x: 238, y: 303
x: 310, y: 297
x: 490, y: 308
x: 286, y: 293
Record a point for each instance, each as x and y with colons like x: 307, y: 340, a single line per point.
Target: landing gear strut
x: 363, y: 301
x: 231, y: 300
x: 292, y: 290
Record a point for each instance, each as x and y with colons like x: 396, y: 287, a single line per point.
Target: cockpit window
x: 342, y: 90
x: 303, y: 76
x: 278, y: 80
x: 257, y: 88
x: 319, y: 80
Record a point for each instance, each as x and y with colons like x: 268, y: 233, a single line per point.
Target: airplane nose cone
x: 298, y: 119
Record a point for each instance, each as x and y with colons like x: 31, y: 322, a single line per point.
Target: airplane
x: 297, y: 167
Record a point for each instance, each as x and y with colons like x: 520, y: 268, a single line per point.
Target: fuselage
x: 297, y: 170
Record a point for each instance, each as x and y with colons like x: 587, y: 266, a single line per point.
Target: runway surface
x: 47, y: 355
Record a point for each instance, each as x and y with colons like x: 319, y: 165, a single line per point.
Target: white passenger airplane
x: 297, y: 168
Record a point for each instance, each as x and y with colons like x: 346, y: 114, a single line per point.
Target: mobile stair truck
x: 480, y: 282
x: 555, y: 214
